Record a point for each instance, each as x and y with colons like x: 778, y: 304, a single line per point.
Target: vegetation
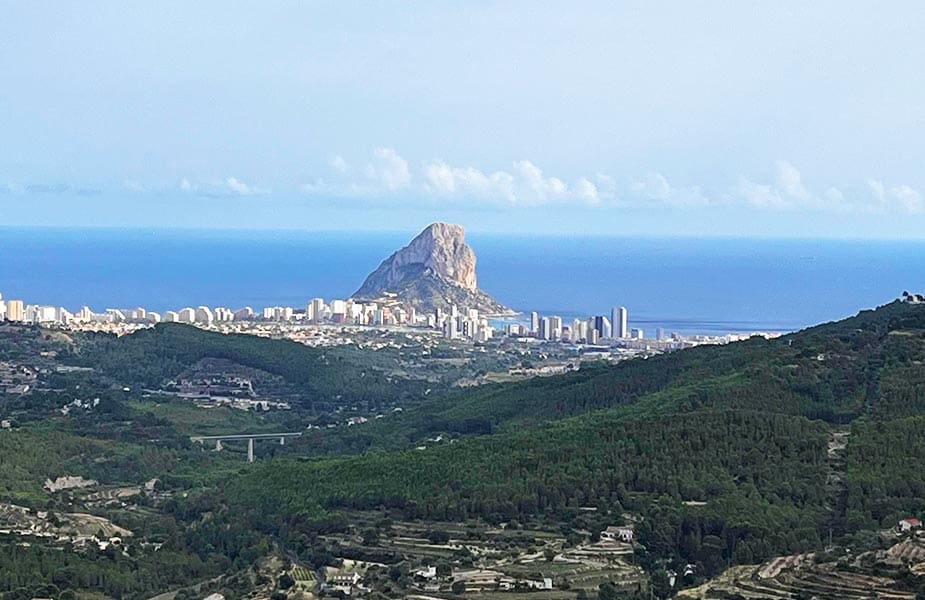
x: 720, y: 455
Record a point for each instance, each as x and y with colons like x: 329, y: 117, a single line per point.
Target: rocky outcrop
x: 436, y: 270
x: 69, y: 482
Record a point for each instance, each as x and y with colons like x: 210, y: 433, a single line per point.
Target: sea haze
x: 681, y: 284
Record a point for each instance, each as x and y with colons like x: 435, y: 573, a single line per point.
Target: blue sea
x: 680, y: 284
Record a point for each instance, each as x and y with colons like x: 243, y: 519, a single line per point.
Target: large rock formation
x: 436, y: 270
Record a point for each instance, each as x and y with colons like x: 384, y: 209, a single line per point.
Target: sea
x: 689, y: 285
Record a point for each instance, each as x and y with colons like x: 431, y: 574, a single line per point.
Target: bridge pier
x: 250, y: 437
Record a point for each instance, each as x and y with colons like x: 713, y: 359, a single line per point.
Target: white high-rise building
x: 317, y: 310
x: 204, y: 315
x: 2, y: 308
x: 618, y: 318
x: 171, y: 316
x: 40, y: 314
x: 115, y: 315
x: 555, y: 328
x: 15, y: 311
x: 186, y: 315
x: 606, y: 329
x: 223, y: 315
x: 534, y: 323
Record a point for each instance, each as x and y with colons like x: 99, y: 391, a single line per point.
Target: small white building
x: 622, y: 533
x: 344, y: 582
x: 428, y: 572
x: 539, y: 584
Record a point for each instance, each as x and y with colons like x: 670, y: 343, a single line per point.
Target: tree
x: 444, y: 569
x: 370, y: 537
x: 285, y: 581
x: 607, y: 591
x: 438, y: 536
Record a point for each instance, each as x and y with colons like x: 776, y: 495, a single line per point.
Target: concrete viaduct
x: 250, y: 437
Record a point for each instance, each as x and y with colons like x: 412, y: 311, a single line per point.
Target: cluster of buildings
x: 463, y: 324
x: 16, y: 378
x: 593, y: 330
x: 316, y: 311
x: 455, y: 324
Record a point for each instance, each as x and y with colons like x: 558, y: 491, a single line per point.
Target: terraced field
x: 795, y: 577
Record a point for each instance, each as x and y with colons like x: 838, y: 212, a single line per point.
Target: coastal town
x: 341, y: 321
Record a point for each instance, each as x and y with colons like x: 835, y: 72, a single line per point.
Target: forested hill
x: 149, y: 357
x: 836, y: 372
x: 717, y: 442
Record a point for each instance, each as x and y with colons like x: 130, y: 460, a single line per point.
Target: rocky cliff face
x: 436, y: 270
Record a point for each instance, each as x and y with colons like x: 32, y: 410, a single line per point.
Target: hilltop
x: 435, y: 270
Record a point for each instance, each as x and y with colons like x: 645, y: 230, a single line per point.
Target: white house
x: 623, y: 533
x: 909, y: 524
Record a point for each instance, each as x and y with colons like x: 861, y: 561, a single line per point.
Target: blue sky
x: 708, y: 118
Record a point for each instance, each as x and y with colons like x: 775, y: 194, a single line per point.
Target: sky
x: 772, y: 119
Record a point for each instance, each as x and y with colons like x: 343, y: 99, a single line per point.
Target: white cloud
x: 653, y: 187
x: 242, y: 189
x: 790, y: 181
x: 389, y: 170
x: 524, y: 185
x: 388, y: 174
x: 788, y: 192
x: 760, y: 196
x: 656, y: 187
x: 903, y: 197
x: 339, y: 164
x: 441, y: 179
x: 230, y: 186
x: 587, y: 191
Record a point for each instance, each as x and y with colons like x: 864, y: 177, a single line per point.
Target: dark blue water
x: 687, y: 285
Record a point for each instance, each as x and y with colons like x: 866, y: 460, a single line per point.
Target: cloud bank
x: 386, y: 175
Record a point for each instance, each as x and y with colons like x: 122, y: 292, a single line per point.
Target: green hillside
x: 149, y: 357
x: 742, y: 428
x: 720, y: 455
